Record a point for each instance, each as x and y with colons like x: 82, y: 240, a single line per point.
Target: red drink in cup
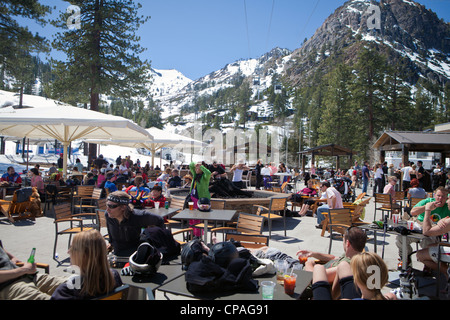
x: 289, y: 283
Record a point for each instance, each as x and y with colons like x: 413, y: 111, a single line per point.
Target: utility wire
x: 270, y: 25
x: 246, y: 26
x: 309, y: 18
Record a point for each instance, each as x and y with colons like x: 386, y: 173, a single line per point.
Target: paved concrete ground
x: 20, y: 237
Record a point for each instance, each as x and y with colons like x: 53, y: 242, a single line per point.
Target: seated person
x: 308, y: 191
x: 416, y: 191
x: 175, y: 180
x: 138, y: 187
x: 350, y: 274
x: 125, y: 223
x: 111, y: 186
x: 429, y: 256
x: 354, y: 243
x: 217, y: 171
x: 155, y: 196
x: 88, y: 249
x: 89, y: 179
x: 11, y: 176
x: 23, y: 283
x: 187, y: 181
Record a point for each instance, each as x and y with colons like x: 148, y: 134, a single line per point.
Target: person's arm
x: 440, y: 228
x: 27, y: 268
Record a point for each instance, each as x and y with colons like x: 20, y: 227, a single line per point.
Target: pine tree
x: 103, y: 54
x: 18, y: 43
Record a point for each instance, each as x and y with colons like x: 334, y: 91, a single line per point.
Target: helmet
x: 223, y: 252
x: 146, y: 260
x: 192, y: 251
x: 204, y: 204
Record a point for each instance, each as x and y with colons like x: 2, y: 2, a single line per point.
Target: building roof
x: 414, y: 141
x: 329, y: 150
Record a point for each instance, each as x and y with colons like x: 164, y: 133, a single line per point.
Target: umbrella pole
x: 65, y: 145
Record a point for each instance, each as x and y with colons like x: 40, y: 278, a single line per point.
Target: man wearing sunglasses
x: 125, y: 223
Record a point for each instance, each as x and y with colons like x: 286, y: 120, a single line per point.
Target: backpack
x: 206, y: 276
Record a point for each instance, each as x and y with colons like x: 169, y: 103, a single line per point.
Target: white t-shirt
x: 378, y: 173
x: 406, y: 176
x: 338, y: 202
x: 237, y: 176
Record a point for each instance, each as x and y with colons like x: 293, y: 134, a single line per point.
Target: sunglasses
x: 112, y: 206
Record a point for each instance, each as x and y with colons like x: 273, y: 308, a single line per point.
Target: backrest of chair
x: 249, y: 241
x: 217, y: 204
x: 414, y: 201
x: 84, y: 190
x: 176, y: 203
x: 277, y: 204
x: 399, y: 195
x: 250, y: 223
x: 120, y: 293
x: 283, y: 186
x: 101, y: 217
x: 382, y: 198
x: 340, y: 216
x: 101, y: 203
x: 63, y: 211
x: 97, y: 193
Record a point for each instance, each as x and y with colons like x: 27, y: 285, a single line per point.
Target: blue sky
x: 197, y: 37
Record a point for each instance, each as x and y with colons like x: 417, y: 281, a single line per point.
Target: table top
x: 165, y: 274
x: 162, y: 212
x: 374, y: 227
x: 213, y: 215
x: 178, y: 287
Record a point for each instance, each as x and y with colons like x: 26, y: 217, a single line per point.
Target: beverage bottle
x: 31, y: 258
x: 166, y: 205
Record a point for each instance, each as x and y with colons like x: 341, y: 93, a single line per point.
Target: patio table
x: 215, y: 215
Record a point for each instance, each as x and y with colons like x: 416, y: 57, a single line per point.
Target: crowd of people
x: 337, y: 277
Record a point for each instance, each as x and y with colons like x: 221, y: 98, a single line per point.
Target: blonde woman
x: 95, y: 278
x: 361, y: 279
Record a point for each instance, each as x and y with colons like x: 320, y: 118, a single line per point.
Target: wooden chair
x: 339, y: 220
x: 88, y: 202
x: 187, y: 235
x: 275, y: 205
x: 63, y: 214
x: 246, y: 224
x: 383, y: 203
x: 249, y: 241
x: 178, y: 204
x: 82, y: 192
x: 17, y: 209
x: 119, y: 293
x: 280, y: 189
x: 355, y: 212
x: 410, y: 204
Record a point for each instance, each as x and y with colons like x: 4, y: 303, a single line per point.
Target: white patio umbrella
x: 161, y: 139
x: 66, y: 124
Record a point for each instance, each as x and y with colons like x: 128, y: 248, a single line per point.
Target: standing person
x: 334, y: 201
x: 259, y: 178
x: 365, y: 176
x: 421, y: 173
x: 406, y: 178
x: 61, y: 162
x: 88, y: 252
x: 125, y: 223
x: 378, y: 176
x: 199, y: 188
x: 237, y: 170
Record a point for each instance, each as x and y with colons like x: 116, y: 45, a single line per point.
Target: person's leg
x: 320, y: 211
x: 320, y: 286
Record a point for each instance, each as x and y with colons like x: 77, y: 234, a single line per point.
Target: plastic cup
x: 280, y: 266
x: 267, y: 289
x: 302, y: 259
x: 156, y: 205
x: 191, y: 206
x: 410, y: 225
x: 289, y: 283
x: 395, y: 218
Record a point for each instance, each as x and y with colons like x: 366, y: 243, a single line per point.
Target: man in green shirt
x: 440, y: 209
